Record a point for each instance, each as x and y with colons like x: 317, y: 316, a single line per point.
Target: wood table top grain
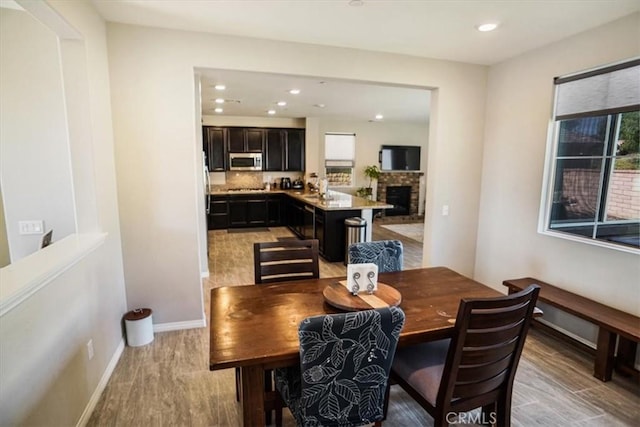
x: 257, y: 325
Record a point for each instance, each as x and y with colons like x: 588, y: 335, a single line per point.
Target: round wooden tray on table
x: 337, y: 295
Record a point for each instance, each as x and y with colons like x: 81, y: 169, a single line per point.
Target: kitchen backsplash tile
x: 245, y: 179
x: 231, y: 179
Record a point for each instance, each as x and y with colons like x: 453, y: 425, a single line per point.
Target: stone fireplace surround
x: 392, y: 179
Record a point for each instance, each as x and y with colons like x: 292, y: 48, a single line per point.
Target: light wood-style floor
x: 168, y: 383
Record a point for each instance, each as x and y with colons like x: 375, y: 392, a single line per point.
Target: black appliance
x: 285, y: 183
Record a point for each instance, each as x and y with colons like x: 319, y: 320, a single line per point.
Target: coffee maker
x: 285, y: 183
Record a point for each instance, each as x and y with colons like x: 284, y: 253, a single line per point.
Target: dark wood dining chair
x: 285, y: 260
x: 344, y: 368
x: 282, y: 261
x: 475, y: 368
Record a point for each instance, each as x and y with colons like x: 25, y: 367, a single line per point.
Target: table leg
x: 605, y: 351
x: 252, y: 395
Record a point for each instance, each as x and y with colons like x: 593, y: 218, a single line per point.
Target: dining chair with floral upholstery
x: 387, y: 254
x: 345, y: 361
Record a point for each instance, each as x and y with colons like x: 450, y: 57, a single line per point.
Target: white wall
x: 45, y: 375
x: 369, y: 137
x: 34, y: 141
x: 519, y: 107
x: 152, y: 96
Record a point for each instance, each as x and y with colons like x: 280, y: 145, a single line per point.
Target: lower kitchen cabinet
x: 295, y: 216
x: 248, y: 211
x: 275, y: 210
x: 218, y: 213
x: 331, y: 233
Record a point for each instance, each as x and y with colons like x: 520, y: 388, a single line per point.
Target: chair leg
x: 237, y: 384
x: 385, y: 406
x: 503, y: 414
x: 279, y: 404
x: 268, y: 386
x: 488, y: 414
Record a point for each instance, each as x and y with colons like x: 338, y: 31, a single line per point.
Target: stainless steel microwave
x: 245, y: 161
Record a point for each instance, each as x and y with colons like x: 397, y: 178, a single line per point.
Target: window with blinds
x: 340, y: 155
x: 593, y: 172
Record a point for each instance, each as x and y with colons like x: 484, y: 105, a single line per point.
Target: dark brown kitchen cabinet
x: 245, y: 140
x: 213, y: 140
x: 248, y: 211
x: 274, y: 154
x: 275, y: 210
x: 295, y: 216
x: 218, y: 213
x: 284, y: 150
x: 330, y: 232
x: 294, y: 150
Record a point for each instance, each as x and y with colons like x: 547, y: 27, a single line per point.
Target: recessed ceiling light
x: 379, y: 117
x: 294, y: 91
x: 220, y: 87
x: 218, y: 110
x: 487, y: 27
x: 282, y: 103
x: 272, y: 112
x: 219, y: 100
x: 319, y: 105
x: 356, y: 3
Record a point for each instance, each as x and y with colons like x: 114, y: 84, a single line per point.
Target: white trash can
x: 139, y: 326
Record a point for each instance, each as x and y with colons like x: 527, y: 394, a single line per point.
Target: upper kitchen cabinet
x: 295, y: 150
x: 245, y: 140
x: 274, y: 154
x: 284, y: 150
x: 213, y: 140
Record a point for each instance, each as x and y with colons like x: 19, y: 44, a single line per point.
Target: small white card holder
x: 362, y: 277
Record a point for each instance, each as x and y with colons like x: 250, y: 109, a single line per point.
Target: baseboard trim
x: 579, y: 339
x: 176, y: 326
x: 95, y: 396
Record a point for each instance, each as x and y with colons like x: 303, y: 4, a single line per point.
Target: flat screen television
x: 400, y: 158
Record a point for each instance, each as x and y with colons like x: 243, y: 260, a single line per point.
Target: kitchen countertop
x: 335, y: 202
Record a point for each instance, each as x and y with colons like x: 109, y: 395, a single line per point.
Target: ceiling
x: 253, y: 94
x: 429, y: 28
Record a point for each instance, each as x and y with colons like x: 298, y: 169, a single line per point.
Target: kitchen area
x: 259, y: 182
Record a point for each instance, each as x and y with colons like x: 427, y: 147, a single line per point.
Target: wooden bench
x: 611, y: 324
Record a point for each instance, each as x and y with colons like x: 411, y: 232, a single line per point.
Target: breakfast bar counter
x: 335, y: 200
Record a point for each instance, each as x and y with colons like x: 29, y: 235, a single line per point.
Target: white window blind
x: 339, y: 146
x: 609, y: 90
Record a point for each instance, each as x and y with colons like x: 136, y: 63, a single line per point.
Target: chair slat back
x: 286, y: 260
x: 484, y: 353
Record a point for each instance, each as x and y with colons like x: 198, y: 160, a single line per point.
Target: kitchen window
x: 593, y: 188
x: 339, y: 154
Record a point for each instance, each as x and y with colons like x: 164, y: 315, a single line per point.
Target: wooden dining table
x: 256, y: 327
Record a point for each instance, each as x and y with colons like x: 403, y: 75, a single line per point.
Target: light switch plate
x: 31, y: 227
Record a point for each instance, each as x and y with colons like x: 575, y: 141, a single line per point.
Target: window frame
x: 341, y: 161
x: 547, y: 194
